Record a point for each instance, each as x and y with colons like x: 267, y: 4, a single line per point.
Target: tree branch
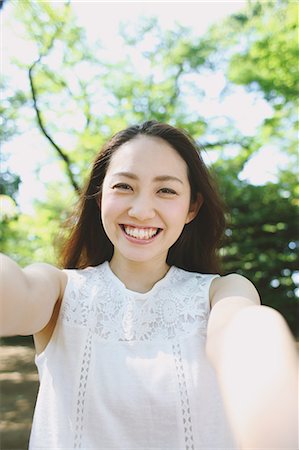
x: 58, y: 149
x: 176, y: 91
x: 62, y: 154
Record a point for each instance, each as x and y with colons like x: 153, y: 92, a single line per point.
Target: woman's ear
x: 194, y: 208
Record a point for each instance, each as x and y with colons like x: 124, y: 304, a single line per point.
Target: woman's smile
x: 142, y: 235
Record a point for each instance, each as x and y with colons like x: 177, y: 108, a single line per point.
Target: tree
x: 263, y: 238
x: 76, y: 91
x: 112, y: 95
x: 260, y: 52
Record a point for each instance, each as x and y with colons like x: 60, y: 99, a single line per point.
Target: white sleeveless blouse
x: 125, y: 370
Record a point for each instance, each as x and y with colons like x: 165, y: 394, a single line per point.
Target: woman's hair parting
x: 197, y: 247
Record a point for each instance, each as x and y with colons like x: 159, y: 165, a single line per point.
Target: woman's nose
x: 142, y: 208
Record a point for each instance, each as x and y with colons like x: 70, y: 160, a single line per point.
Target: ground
x: 19, y: 384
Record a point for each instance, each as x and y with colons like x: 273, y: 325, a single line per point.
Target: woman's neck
x: 138, y: 276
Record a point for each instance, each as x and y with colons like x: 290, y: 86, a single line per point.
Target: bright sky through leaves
x: 101, y: 21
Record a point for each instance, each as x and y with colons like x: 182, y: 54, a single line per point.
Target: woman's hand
x: 253, y: 353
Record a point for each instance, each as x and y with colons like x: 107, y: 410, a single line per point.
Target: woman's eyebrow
x: 158, y: 178
x: 167, y: 178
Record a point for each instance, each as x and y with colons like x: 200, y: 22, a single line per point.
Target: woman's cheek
x: 178, y: 210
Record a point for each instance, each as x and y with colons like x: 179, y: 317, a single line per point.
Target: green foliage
x: 262, y: 240
x: 81, y: 94
x: 9, y: 111
x: 269, y: 61
x: 260, y: 52
x: 36, y: 238
x: 9, y: 183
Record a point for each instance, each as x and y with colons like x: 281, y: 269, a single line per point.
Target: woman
x: 140, y: 343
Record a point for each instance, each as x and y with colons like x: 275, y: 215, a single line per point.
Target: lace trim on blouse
x: 175, y: 310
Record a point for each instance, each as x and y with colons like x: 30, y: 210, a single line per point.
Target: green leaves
x: 271, y: 58
x: 262, y: 224
x: 80, y: 96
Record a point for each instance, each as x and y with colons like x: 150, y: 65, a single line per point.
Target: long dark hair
x: 197, y: 247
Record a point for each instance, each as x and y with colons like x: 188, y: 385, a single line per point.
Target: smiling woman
x: 150, y: 211
x: 147, y: 162
x: 139, y: 339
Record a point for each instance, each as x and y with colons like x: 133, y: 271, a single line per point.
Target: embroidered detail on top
x: 185, y: 404
x: 177, y: 309
x: 82, y: 392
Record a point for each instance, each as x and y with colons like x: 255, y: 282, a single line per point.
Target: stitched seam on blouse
x: 82, y: 392
x: 185, y: 404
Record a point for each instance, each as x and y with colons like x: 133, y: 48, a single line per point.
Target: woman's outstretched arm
x: 254, y: 355
x: 28, y: 296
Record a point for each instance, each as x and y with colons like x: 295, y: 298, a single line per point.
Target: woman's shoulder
x: 85, y: 271
x: 84, y: 277
x: 46, y: 274
x: 193, y: 273
x: 198, y: 283
x: 233, y: 285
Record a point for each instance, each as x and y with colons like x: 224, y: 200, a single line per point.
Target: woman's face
x: 145, y: 200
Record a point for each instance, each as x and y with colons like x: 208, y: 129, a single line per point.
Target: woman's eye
x: 168, y: 191
x: 122, y: 186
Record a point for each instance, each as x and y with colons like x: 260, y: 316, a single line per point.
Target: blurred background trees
x: 76, y: 95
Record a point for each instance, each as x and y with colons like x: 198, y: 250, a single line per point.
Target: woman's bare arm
x: 253, y: 353
x: 28, y: 296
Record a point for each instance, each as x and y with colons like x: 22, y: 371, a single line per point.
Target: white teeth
x: 140, y: 233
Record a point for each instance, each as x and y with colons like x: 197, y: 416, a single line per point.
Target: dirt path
x: 18, y: 387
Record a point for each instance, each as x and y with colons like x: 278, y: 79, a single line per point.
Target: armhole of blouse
x: 40, y: 356
x: 209, y: 284
x: 69, y: 273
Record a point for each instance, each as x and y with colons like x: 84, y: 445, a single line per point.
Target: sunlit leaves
x: 271, y: 60
x: 85, y: 95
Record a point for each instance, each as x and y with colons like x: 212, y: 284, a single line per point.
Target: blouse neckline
x: 138, y: 295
